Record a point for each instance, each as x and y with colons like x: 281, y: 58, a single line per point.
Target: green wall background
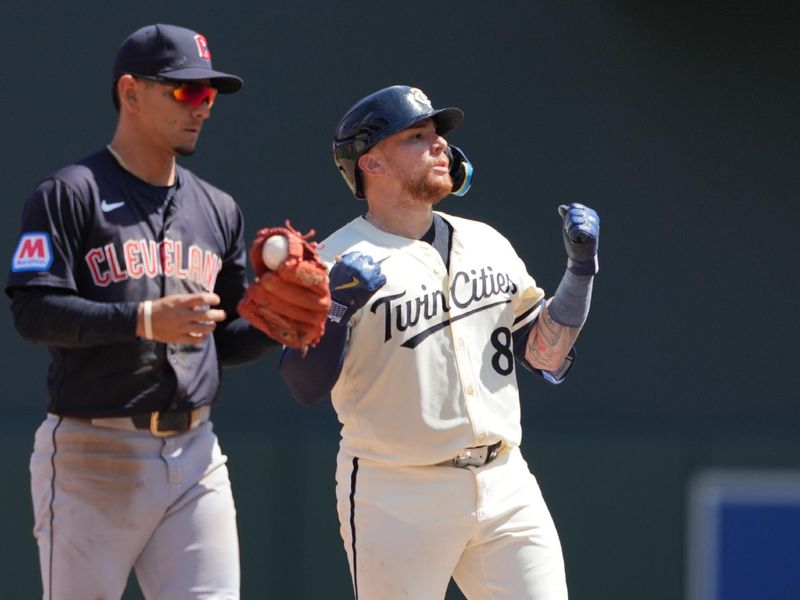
x: 676, y: 120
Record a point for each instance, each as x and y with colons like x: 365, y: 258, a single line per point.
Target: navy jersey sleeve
x: 50, y: 240
x: 232, y: 279
x: 59, y: 318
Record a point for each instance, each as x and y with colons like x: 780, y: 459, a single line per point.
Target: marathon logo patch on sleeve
x: 34, y: 252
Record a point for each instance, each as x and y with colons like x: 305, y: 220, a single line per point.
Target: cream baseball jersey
x: 429, y: 367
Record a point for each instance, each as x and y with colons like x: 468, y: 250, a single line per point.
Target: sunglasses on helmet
x: 187, y: 92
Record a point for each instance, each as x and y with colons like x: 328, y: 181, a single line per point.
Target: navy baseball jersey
x: 96, y: 230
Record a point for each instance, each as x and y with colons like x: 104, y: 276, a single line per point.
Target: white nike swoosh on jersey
x: 107, y: 206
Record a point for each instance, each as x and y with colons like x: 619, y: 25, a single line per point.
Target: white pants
x: 407, y: 530
x: 106, y: 501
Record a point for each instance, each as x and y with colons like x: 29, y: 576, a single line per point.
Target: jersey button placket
x: 459, y: 334
x: 171, y: 284
x: 465, y: 374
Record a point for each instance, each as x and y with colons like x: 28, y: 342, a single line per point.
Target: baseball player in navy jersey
x: 430, y: 313
x: 129, y: 268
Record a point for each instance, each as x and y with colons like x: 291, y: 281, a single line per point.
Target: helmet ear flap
x: 460, y: 170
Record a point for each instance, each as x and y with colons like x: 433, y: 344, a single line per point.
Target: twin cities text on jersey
x: 148, y: 258
x: 465, y: 290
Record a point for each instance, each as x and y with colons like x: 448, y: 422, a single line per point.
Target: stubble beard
x: 430, y: 189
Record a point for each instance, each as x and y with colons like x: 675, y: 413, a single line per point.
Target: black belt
x: 475, y: 456
x: 159, y: 423
x: 164, y: 423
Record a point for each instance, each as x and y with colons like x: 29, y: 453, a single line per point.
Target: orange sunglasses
x: 187, y: 92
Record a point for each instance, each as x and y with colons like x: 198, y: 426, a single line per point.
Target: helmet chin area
x: 460, y: 170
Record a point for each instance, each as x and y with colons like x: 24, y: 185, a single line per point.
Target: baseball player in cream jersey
x: 440, y: 336
x: 431, y: 314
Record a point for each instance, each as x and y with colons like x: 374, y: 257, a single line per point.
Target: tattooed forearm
x: 549, y: 331
x: 549, y: 342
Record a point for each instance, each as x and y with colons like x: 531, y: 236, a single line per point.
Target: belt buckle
x: 477, y: 456
x: 471, y: 457
x: 462, y: 461
x: 493, y: 451
x: 155, y: 416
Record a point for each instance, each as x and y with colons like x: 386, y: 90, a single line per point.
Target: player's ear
x: 370, y: 164
x: 127, y: 92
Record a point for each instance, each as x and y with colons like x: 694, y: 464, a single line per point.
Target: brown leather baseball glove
x: 290, y: 304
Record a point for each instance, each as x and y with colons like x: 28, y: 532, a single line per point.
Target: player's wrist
x: 140, y: 319
x: 339, y: 313
x: 144, y: 320
x: 570, y: 304
x: 583, y: 267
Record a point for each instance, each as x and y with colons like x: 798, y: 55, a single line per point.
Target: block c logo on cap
x: 34, y: 252
x: 202, y: 47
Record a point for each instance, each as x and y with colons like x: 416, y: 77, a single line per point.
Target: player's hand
x: 581, y: 232
x: 183, y: 318
x: 354, y: 279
